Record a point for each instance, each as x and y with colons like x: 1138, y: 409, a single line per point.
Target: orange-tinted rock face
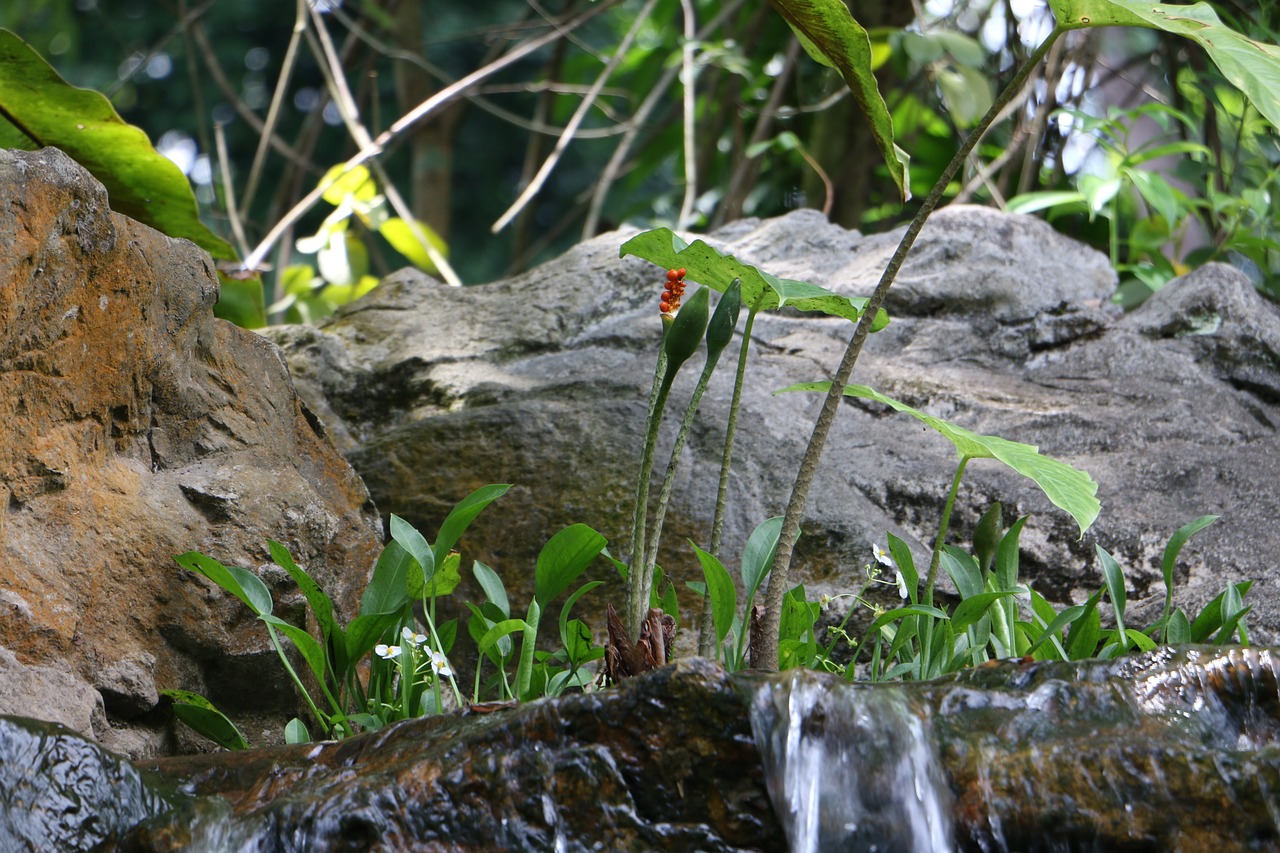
x: 134, y: 426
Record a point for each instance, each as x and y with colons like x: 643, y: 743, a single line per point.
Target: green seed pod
x: 724, y: 320
x: 687, y: 330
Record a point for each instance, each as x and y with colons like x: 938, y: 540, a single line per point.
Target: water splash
x: 850, y: 767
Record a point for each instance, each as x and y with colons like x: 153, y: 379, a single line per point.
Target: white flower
x: 410, y: 637
x: 386, y: 652
x: 881, y: 555
x: 440, y: 664
x: 902, y: 584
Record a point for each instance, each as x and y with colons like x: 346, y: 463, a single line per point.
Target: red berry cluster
x: 674, y: 290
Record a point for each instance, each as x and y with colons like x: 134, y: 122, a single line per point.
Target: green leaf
x: 901, y: 554
x: 760, y: 291
x: 497, y: 632
x: 1179, y: 629
x: 830, y: 32
x: 972, y: 608
x: 364, y: 632
x: 411, y: 540
x: 986, y: 535
x: 244, y: 585
x: 1086, y: 632
x: 1055, y: 626
x: 757, y: 557
x: 1067, y: 488
x: 724, y: 597
x: 321, y: 604
x: 1006, y: 574
x: 407, y: 239
x: 565, y: 622
x: 446, y: 579
x: 963, y: 571
x: 311, y: 651
x: 492, y: 585
x: 199, y: 713
x: 910, y: 610
x: 565, y: 556
x: 1113, y: 577
x: 465, y: 512
x: 1170, y: 560
x: 387, y: 591
x: 38, y: 108
x: 296, y: 732
x: 1252, y: 67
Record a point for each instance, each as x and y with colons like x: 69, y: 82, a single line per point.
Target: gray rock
x: 999, y: 324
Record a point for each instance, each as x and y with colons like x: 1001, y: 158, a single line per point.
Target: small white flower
x: 386, y: 652
x: 410, y: 637
x: 440, y: 665
x: 881, y: 555
x: 825, y: 601
x: 902, y: 584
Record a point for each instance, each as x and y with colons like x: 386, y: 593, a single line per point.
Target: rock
x: 1000, y: 325
x: 1127, y: 755
x: 59, y: 791
x: 133, y: 427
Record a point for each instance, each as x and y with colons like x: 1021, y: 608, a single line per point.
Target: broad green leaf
x: 497, y: 632
x: 387, y: 591
x: 364, y: 632
x: 492, y: 585
x: 565, y: 556
x: 411, y: 540
x: 38, y: 109
x: 910, y: 610
x: 760, y: 291
x: 320, y: 602
x: 1086, y: 631
x: 244, y: 585
x: 829, y: 32
x: 724, y: 597
x: 1179, y: 629
x: 1006, y: 574
x: 445, y: 580
x: 461, y: 516
x: 566, y: 623
x: 1031, y: 202
x: 1251, y: 66
x: 199, y: 713
x: 963, y: 571
x: 1067, y: 488
x: 901, y: 554
x: 407, y: 239
x: 757, y: 556
x: 356, y: 183
x: 296, y: 732
x: 972, y: 608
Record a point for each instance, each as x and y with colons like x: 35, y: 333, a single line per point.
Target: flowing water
x: 850, y: 768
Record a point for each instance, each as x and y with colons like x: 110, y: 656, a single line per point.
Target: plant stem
x: 707, y: 633
x: 779, y: 576
x: 942, y: 530
x: 637, y: 583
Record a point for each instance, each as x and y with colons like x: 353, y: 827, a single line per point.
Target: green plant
x: 999, y: 617
x: 409, y: 672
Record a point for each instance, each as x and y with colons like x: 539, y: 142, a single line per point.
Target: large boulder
x: 999, y: 324
x: 133, y: 427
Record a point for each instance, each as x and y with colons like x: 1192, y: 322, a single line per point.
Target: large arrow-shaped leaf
x: 1067, y: 488
x: 760, y: 291
x: 831, y: 36
x: 1253, y: 67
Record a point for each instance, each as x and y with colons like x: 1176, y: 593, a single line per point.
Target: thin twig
x: 224, y: 166
x: 581, y: 113
x: 408, y: 120
x: 688, y: 80
x: 273, y: 111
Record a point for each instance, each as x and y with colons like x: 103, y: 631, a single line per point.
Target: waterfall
x: 850, y: 767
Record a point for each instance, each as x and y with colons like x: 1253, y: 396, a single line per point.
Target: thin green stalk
x: 942, y: 530
x: 707, y: 633
x: 779, y: 577
x: 637, y: 595
x: 315, y: 712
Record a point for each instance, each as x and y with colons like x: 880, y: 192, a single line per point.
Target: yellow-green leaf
x: 407, y: 240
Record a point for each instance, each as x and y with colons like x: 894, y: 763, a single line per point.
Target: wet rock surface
x: 999, y: 324
x: 1170, y: 750
x: 133, y: 427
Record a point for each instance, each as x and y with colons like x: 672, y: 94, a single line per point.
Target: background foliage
x: 1157, y: 159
